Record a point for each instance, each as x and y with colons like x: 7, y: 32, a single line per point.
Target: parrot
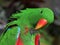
x: 27, y: 28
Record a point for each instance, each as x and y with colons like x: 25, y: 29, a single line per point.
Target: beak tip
x: 35, y: 28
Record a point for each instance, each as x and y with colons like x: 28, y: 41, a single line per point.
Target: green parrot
x: 29, y: 25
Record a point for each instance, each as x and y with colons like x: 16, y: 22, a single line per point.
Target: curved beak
x: 41, y: 23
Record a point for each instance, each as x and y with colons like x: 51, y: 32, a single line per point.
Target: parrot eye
x: 41, y: 11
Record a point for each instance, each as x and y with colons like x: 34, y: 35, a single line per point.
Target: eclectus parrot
x: 28, y: 23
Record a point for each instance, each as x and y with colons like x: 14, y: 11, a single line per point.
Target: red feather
x: 19, y: 41
x: 37, y: 38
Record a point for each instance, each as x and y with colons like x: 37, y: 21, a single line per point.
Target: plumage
x: 27, y: 18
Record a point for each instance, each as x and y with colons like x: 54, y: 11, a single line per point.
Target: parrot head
x: 47, y: 17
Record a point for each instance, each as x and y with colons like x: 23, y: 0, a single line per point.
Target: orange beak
x: 41, y: 23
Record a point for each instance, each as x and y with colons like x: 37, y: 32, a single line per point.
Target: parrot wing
x: 10, y: 37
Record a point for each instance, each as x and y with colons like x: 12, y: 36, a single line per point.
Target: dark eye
x: 41, y: 11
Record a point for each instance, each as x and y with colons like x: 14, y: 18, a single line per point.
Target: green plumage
x: 27, y: 18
